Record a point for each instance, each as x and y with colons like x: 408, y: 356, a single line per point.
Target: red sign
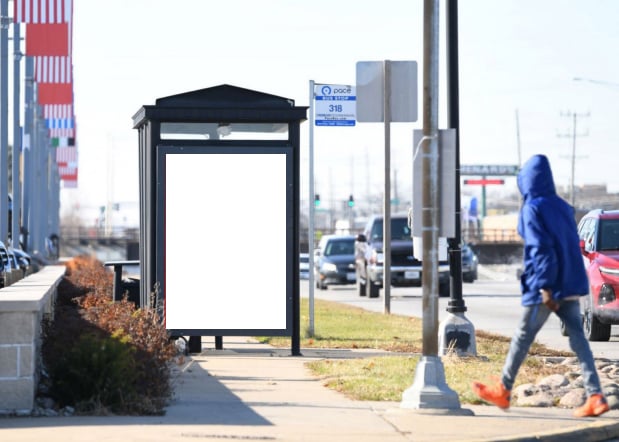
x: 485, y: 181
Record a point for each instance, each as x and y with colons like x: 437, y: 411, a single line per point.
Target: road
x: 492, y: 302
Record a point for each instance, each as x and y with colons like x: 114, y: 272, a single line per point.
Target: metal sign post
x: 310, y: 225
x: 330, y: 105
x: 387, y: 92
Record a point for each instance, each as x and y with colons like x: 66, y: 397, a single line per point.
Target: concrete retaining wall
x: 22, y: 307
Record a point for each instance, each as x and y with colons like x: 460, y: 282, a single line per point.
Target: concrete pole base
x: 429, y: 389
x: 456, y: 334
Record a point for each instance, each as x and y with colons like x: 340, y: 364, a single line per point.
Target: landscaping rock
x: 567, y: 390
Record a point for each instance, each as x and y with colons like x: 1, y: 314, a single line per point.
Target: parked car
x: 24, y: 261
x: 5, y: 266
x: 405, y: 267
x: 469, y: 264
x: 13, y: 261
x: 598, y: 231
x: 334, y: 261
x: 304, y: 266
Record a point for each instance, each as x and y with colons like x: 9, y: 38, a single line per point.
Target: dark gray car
x: 334, y: 261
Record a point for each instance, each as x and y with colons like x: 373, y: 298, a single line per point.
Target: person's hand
x: 548, y: 301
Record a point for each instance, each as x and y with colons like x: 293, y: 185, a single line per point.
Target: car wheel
x: 595, y: 330
x: 372, y: 290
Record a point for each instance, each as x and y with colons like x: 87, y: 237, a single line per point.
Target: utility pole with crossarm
x: 573, y: 135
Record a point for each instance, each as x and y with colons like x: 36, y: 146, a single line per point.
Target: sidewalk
x: 251, y: 391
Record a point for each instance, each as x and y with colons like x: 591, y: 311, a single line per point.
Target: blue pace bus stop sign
x: 219, y: 212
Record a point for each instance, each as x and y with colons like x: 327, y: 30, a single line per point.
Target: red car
x: 598, y: 231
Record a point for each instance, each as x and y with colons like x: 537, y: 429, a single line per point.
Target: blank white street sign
x: 370, y: 91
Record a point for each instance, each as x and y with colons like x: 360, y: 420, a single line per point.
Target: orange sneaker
x: 594, y: 406
x: 495, y: 394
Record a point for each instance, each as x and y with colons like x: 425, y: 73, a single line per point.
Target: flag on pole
x: 66, y: 156
x: 70, y: 184
x: 55, y: 93
x: 58, y: 111
x: 53, y: 69
x: 60, y: 121
x: 67, y: 173
x: 62, y: 135
x: 62, y: 141
x: 48, y: 39
x: 42, y: 11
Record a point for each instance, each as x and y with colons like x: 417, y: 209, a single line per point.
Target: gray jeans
x: 533, y: 318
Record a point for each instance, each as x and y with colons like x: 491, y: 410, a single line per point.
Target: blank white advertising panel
x: 225, y: 227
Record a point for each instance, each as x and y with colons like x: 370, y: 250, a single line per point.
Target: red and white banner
x: 53, y: 69
x: 42, y: 11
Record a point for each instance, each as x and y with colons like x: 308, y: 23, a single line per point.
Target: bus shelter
x: 219, y: 212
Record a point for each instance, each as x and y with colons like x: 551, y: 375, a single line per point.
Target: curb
x: 593, y: 432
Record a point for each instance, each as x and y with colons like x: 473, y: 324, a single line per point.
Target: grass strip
x: 384, y: 378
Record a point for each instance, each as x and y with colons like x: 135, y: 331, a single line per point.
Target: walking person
x: 361, y: 251
x: 553, y: 279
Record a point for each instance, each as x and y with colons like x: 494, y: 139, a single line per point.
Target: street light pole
x: 455, y: 331
x: 456, y: 303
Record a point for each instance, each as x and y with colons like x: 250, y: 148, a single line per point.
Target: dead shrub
x: 101, y: 355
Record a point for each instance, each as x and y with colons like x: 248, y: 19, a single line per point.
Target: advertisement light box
x: 226, y: 214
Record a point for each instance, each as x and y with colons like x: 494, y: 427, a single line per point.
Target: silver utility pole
x: 429, y: 389
x: 573, y: 135
x: 518, y: 139
x: 387, y: 189
x: 310, y: 223
x: 4, y: 119
x: 28, y: 153
x: 429, y: 216
x: 17, y: 141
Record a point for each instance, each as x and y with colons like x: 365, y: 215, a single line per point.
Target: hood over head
x: 535, y: 178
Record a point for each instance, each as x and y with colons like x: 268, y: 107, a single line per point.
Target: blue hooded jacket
x: 552, y: 257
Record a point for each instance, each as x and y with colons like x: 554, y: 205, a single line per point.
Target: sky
x: 518, y: 61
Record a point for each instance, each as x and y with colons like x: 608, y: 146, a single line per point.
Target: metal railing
x: 98, y: 234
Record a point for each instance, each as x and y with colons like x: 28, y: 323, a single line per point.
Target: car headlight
x: 379, y: 258
x: 607, y: 294
x: 609, y: 271
x: 329, y: 267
